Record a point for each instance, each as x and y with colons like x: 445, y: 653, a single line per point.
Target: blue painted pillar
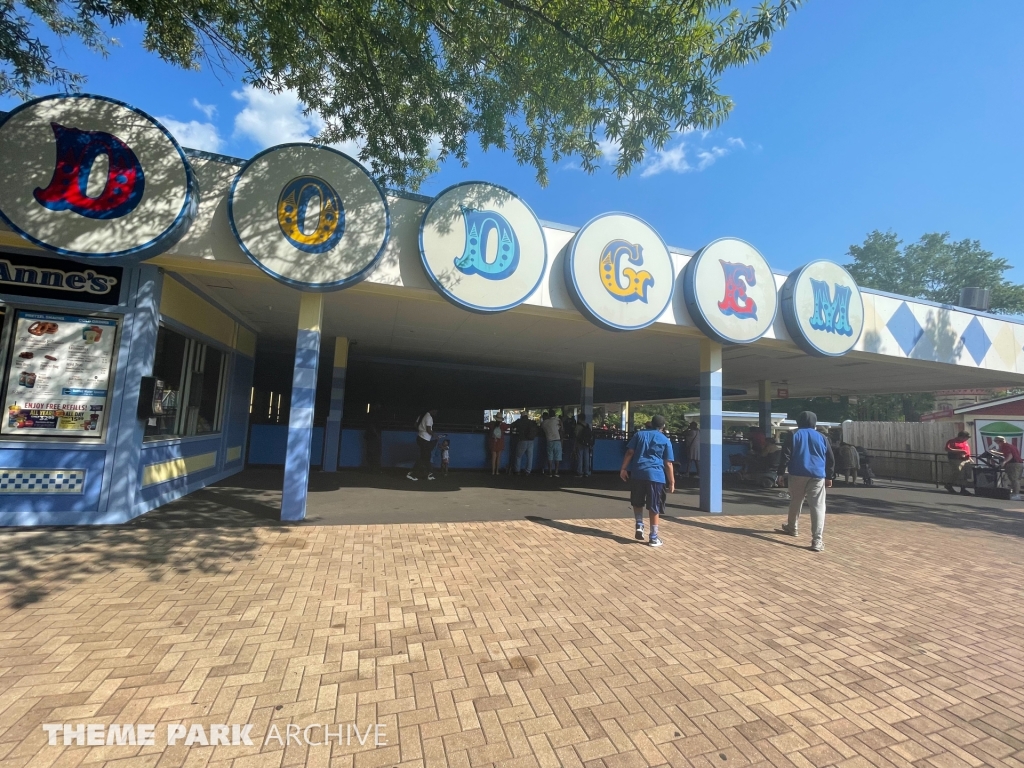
x: 332, y: 432
x: 300, y: 421
x: 135, y: 360
x: 587, y: 393
x: 764, y: 406
x: 710, y: 426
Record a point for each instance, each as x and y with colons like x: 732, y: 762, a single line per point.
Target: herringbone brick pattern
x: 523, y: 643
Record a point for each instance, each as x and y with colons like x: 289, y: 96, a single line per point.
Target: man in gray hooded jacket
x: 809, y: 460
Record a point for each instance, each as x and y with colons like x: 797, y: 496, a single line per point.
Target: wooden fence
x: 915, y: 437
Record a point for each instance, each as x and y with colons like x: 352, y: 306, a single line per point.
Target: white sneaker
x: 1015, y: 497
x: 817, y: 545
x: 410, y: 476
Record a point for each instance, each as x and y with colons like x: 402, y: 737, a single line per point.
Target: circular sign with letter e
x: 92, y: 178
x: 730, y: 291
x: 482, y: 247
x: 823, y: 309
x: 619, y: 272
x: 309, y: 216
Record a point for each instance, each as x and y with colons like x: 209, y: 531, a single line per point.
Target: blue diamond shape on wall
x: 904, y: 328
x: 976, y: 340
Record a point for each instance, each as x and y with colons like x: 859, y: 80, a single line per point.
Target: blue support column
x: 764, y: 406
x: 332, y: 432
x: 135, y: 360
x: 300, y: 422
x: 710, y: 426
x: 587, y: 393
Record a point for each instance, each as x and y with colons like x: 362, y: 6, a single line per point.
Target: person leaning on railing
x: 958, y: 453
x: 1012, y: 465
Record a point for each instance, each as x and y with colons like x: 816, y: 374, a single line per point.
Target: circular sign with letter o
x: 482, y: 247
x: 619, y: 272
x: 309, y: 216
x: 730, y: 291
x: 93, y: 178
x: 823, y: 309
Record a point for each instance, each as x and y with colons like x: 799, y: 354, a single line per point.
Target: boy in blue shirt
x: 647, y: 467
x: 810, y: 462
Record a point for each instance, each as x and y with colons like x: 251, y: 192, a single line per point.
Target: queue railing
x: 916, y: 466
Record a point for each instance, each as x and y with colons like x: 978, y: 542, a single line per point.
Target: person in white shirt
x: 552, y: 428
x: 425, y: 444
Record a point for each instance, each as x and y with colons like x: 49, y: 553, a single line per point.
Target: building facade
x: 139, y: 282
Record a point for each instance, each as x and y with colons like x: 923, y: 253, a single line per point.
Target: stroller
x: 762, y: 471
x: 866, y: 472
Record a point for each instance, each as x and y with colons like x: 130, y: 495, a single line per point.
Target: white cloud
x: 194, y: 135
x: 207, y: 109
x: 273, y: 118
x: 276, y: 118
x: 674, y: 158
x: 609, y: 149
x: 707, y: 157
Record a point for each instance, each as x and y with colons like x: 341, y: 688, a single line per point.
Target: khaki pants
x: 1013, y: 472
x: 961, y: 472
x: 811, y: 490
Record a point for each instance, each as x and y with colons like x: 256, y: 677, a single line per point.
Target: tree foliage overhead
x: 546, y: 79
x: 934, y: 268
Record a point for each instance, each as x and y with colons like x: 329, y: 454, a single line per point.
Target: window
x: 194, y: 377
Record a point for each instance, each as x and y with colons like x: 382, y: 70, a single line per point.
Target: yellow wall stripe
x: 311, y: 311
x: 168, y: 470
x: 179, y: 303
x: 234, y: 453
x: 245, y: 341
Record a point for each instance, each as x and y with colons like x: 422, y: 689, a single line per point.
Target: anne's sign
x: 41, y: 277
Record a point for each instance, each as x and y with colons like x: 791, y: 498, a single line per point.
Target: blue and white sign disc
x: 309, y: 216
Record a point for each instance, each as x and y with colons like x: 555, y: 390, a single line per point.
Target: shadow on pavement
x: 199, y: 535
x: 581, y: 530
x: 754, y: 533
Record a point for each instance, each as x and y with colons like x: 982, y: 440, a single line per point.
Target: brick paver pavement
x: 522, y: 643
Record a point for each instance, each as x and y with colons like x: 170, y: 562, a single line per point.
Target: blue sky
x: 869, y: 114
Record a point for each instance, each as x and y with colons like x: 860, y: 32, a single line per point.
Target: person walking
x: 1012, y: 465
x: 552, y: 428
x: 425, y: 445
x: 647, y: 467
x: 584, y: 447
x: 958, y: 454
x: 526, y: 432
x: 811, y: 464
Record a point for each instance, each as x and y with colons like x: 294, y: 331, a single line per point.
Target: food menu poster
x: 59, y: 375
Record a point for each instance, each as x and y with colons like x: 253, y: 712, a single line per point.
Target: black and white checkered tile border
x: 21, y: 480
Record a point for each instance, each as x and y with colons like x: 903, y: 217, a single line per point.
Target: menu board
x: 59, y: 375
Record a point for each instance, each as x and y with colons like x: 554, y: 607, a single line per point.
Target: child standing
x: 444, y: 456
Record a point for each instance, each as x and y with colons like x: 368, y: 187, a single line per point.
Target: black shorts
x: 645, y: 493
